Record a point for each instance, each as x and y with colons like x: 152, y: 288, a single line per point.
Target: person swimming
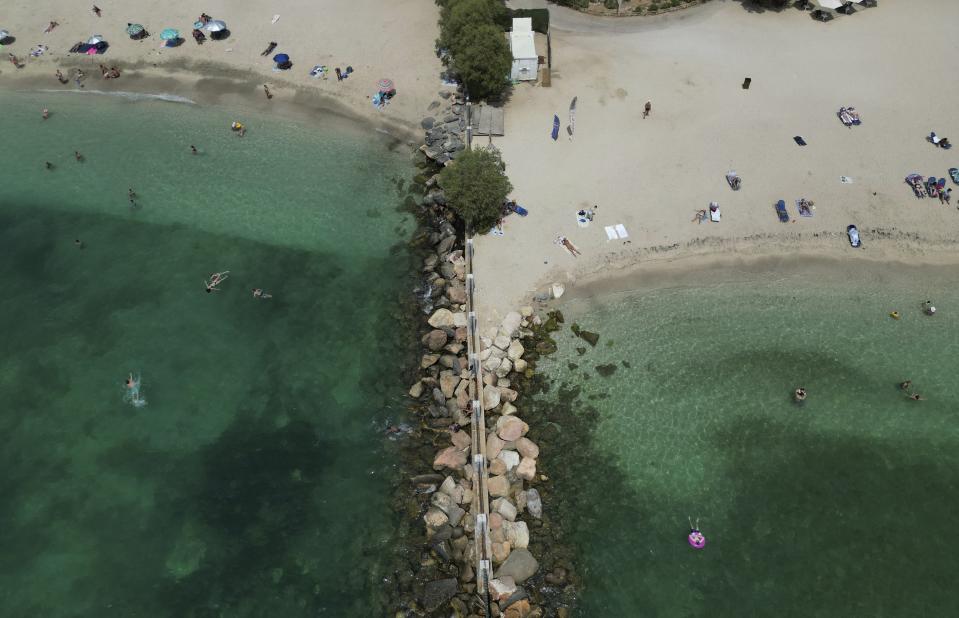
x: 799, y: 395
x: 131, y: 393
x: 260, y: 293
x: 905, y: 386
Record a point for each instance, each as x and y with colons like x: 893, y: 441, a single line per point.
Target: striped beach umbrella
x: 385, y: 85
x: 170, y: 34
x: 134, y: 29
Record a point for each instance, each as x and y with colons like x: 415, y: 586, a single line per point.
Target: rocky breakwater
x: 444, y: 131
x: 451, y: 516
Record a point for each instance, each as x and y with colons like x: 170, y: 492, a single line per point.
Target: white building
x: 523, y: 46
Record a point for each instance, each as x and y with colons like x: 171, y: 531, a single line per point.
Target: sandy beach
x: 379, y: 40
x: 653, y: 174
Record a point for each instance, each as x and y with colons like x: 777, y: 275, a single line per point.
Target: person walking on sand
x: 96, y: 10
x: 266, y: 89
x: 648, y: 108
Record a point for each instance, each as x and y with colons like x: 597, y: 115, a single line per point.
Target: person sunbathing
x: 49, y: 28
x: 270, y: 47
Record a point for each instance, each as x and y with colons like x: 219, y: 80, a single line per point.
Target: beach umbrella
x: 134, y: 29
x: 281, y: 58
x: 4, y: 35
x: 384, y: 85
x: 96, y: 38
x: 830, y: 4
x: 215, y: 25
x: 170, y: 34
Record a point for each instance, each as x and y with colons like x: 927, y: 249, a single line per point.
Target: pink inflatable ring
x: 696, y: 539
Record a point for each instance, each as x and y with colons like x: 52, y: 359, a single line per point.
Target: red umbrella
x: 385, y: 85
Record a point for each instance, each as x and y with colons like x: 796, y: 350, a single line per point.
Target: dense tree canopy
x: 455, y: 16
x: 476, y: 187
x: 483, y: 60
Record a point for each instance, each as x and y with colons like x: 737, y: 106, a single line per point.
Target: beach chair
x: 782, y: 212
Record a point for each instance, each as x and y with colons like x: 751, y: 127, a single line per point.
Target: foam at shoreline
x: 125, y: 94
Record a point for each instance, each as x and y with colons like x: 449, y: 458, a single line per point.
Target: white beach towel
x: 846, y: 180
x: 610, y: 233
x: 621, y: 230
x: 276, y: 18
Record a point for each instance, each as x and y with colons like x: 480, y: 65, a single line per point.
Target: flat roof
x: 522, y: 45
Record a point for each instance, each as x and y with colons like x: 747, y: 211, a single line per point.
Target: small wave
x: 130, y: 96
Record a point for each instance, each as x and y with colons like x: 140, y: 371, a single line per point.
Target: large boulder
x: 534, y: 504
x: 435, y: 518
x: 493, y: 445
x: 456, y: 293
x: 438, y: 593
x: 521, y: 565
x: 448, y: 383
x: 502, y: 342
x: 504, y: 368
x: 435, y: 340
x: 527, y: 448
x: 491, y: 397
x: 510, y: 458
x: 446, y: 243
x: 498, y: 486
x: 516, y: 533
x: 510, y: 428
x: 505, y: 508
x: 450, y: 457
x: 461, y: 440
x: 526, y: 469
x: 441, y: 318
x: 502, y: 589
x: 515, y: 350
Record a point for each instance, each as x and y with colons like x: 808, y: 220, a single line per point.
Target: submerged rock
x: 439, y: 592
x: 606, y: 370
x: 587, y: 336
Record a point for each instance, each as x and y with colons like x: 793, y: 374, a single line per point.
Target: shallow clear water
x: 840, y: 507
x: 255, y: 480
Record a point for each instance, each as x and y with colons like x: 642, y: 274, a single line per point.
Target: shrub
x: 575, y: 4
x: 673, y: 3
x: 455, y: 16
x: 476, y: 187
x: 611, y: 4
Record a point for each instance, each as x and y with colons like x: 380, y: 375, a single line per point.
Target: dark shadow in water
x: 833, y: 525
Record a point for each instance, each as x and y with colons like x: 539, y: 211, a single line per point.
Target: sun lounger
x: 804, y: 207
x: 611, y: 233
x: 781, y: 211
x: 734, y: 180
x: 621, y: 230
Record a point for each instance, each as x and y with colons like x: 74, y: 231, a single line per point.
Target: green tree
x: 483, y: 60
x: 455, y: 16
x: 476, y: 187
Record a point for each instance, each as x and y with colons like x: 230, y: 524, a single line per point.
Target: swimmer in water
x: 78, y: 243
x: 260, y: 293
x: 916, y: 397
x: 215, y: 280
x: 905, y: 386
x: 131, y: 393
x: 800, y: 395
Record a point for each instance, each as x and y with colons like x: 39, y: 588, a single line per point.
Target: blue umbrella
x: 170, y: 34
x: 555, y: 132
x: 281, y: 58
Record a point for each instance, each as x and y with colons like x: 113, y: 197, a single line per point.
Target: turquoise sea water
x: 255, y: 480
x: 844, y: 506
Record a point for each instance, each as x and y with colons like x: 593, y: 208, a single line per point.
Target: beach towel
x: 846, y: 180
x: 621, y: 230
x: 276, y: 18
x: 804, y: 211
x: 611, y: 233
